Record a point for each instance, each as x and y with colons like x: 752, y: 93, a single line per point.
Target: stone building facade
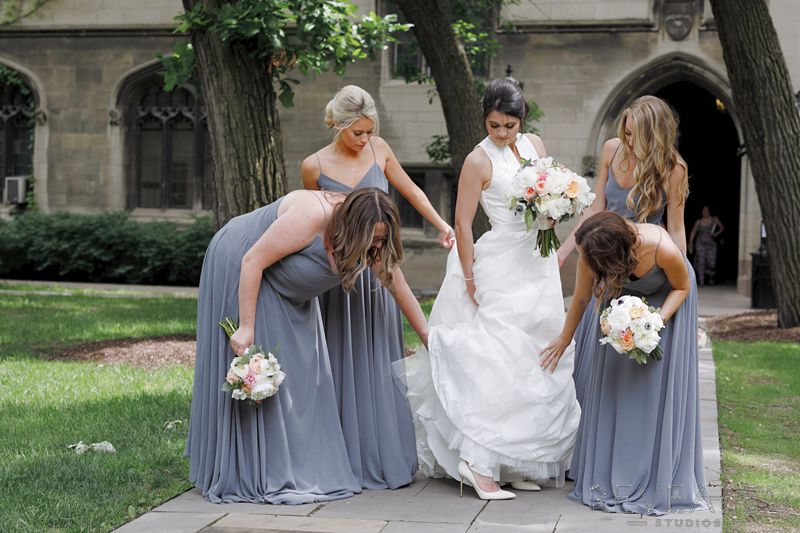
x: 105, y: 136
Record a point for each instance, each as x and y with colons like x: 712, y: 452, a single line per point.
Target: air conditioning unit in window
x: 14, y: 189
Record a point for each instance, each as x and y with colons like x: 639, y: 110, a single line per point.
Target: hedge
x: 108, y: 247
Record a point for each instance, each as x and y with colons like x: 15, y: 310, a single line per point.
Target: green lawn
x: 409, y: 337
x: 758, y: 391
x: 46, y: 405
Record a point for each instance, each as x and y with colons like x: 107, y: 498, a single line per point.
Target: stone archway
x: 692, y: 86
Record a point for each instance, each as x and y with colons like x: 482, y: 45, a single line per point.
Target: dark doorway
x: 708, y: 142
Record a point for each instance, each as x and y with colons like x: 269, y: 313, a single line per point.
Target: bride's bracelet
x: 469, y: 279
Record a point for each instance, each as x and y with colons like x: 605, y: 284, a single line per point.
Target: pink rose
x: 231, y: 378
x: 604, y: 327
x: 529, y: 193
x: 572, y: 189
x: 626, y: 340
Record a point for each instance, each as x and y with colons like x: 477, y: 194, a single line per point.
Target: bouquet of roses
x: 548, y: 190
x: 254, y: 375
x: 631, y: 327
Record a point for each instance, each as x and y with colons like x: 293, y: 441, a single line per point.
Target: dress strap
x: 319, y: 164
x: 374, y: 157
x: 615, y: 154
x: 655, y: 255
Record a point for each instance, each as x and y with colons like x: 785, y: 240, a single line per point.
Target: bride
x: 485, y: 412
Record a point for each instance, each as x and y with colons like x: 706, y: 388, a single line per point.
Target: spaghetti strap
x: 615, y: 153
x: 655, y: 255
x: 319, y: 164
x: 374, y: 157
x: 321, y: 203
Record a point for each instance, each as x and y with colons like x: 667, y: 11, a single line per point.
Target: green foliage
x: 312, y: 36
x: 179, y: 66
x: 108, y: 247
x: 438, y: 149
x: 9, y: 76
x: 12, y: 11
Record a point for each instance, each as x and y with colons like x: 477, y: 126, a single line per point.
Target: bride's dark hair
x: 504, y: 95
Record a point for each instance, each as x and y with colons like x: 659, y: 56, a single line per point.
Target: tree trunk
x: 765, y: 102
x: 244, y: 126
x: 455, y: 84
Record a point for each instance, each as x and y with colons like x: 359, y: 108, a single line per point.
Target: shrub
x: 107, y: 247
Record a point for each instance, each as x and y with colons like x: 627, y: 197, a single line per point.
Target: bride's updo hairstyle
x: 348, y: 105
x: 352, y: 230
x: 504, y: 95
x: 607, y: 244
x: 654, y: 129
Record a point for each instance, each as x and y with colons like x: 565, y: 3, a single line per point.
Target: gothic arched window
x: 17, y: 109
x: 170, y: 160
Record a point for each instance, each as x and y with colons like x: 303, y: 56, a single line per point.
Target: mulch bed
x: 751, y: 326
x: 158, y: 352
x: 180, y: 349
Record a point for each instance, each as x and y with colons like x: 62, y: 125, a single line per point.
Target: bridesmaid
x: 639, y: 445
x: 643, y: 178
x: 363, y: 328
x: 267, y: 268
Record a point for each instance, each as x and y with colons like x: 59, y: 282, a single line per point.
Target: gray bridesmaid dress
x: 290, y: 449
x: 364, y: 332
x: 639, y: 446
x: 589, y: 326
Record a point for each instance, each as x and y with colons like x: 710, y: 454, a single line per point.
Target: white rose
x: 239, y: 394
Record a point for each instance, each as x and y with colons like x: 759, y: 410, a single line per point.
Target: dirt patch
x: 751, y: 326
x: 143, y: 353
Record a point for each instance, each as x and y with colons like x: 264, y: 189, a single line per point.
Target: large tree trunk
x: 765, y: 102
x: 454, y: 81
x: 243, y: 123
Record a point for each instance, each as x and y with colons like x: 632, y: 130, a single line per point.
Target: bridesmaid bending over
x: 639, y: 443
x: 267, y: 268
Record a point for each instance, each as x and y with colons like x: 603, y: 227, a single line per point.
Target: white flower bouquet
x: 631, y: 327
x: 254, y: 375
x: 548, y: 190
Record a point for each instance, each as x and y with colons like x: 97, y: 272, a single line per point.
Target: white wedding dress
x: 479, y: 393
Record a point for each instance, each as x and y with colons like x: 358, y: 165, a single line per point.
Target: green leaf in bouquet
x: 529, y: 218
x: 657, y: 353
x: 226, y: 387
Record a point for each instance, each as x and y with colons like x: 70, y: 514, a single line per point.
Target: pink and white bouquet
x: 254, y: 375
x: 631, y: 327
x: 548, y: 191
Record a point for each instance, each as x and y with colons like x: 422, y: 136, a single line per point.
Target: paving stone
x: 252, y: 523
x: 192, y: 501
x: 437, y: 502
x: 170, y: 523
x: 423, y: 527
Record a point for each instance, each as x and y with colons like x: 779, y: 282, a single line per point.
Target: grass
x: 410, y: 339
x: 46, y: 405
x: 758, y: 392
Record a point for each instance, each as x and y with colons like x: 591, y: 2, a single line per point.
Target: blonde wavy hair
x: 348, y: 105
x: 654, y: 132
x: 352, y: 230
x: 608, y: 246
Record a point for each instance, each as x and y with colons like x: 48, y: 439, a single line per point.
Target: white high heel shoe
x: 525, y: 485
x: 466, y: 475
